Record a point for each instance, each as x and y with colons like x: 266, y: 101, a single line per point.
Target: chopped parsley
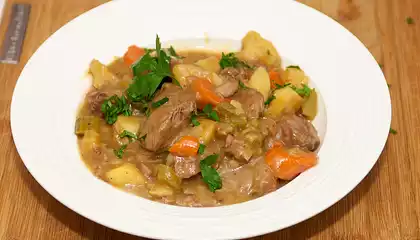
x: 242, y: 85
x: 149, y: 72
x: 294, y: 66
x: 271, y: 98
x: 210, y: 176
x: 392, y: 131
x: 120, y: 152
x: 201, y: 148
x: 128, y: 134
x: 173, y: 53
x: 143, y: 137
x: 210, y: 113
x: 409, y: 20
x: 278, y: 86
x: 305, y: 91
x: 389, y: 85
x: 194, y: 120
x: 160, y: 102
x: 230, y: 60
x: 114, y: 106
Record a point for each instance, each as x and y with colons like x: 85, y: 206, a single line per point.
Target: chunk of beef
x: 167, y: 121
x: 295, y: 131
x: 95, y: 99
x: 247, y: 181
x: 252, y: 102
x: 236, y: 146
x: 268, y: 126
x: 227, y: 88
x: 264, y: 179
x: 186, y: 167
x: 236, y: 74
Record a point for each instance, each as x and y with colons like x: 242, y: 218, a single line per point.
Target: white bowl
x: 51, y: 87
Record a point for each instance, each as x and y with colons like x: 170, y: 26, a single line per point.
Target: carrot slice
x: 133, y: 54
x: 287, y: 165
x: 205, y: 92
x: 186, y: 146
x: 275, y: 78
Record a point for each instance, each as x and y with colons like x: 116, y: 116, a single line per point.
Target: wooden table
x: 386, y: 205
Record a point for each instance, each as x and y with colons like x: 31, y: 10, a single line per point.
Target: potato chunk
x: 182, y: 72
x: 161, y: 190
x: 295, y: 76
x: 125, y: 174
x: 128, y: 123
x: 210, y: 64
x: 101, y: 74
x: 167, y: 174
x: 286, y: 100
x: 310, y: 106
x: 260, y: 81
x: 205, y: 131
x: 256, y: 48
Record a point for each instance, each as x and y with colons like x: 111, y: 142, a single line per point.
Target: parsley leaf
x: 114, y: 106
x: 230, y: 60
x: 242, y: 85
x: 173, y: 53
x: 120, y: 152
x: 305, y: 91
x: 392, y: 131
x: 148, y: 112
x: 213, y: 115
x: 271, y: 98
x: 294, y: 66
x: 210, y: 113
x: 128, y: 134
x: 143, y: 137
x: 149, y: 73
x: 160, y: 102
x: 409, y: 20
x: 194, y: 120
x: 201, y: 148
x: 210, y: 176
x: 278, y: 86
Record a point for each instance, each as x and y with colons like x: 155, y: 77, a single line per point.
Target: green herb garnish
x: 128, y: 134
x: 230, y: 60
x: 409, y: 20
x: 149, y: 73
x: 120, y: 152
x: 210, y: 176
x: 210, y: 113
x: 278, y: 86
x: 143, y: 137
x: 242, y: 85
x: 160, y: 102
x: 271, y: 98
x: 114, y: 106
x: 173, y: 53
x: 305, y: 91
x: 148, y: 112
x: 392, y: 131
x: 194, y: 120
x: 201, y: 148
x: 294, y: 66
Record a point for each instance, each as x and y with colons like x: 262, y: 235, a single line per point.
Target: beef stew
x: 198, y: 128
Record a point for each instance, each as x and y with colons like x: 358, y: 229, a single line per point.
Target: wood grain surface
x: 386, y: 205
